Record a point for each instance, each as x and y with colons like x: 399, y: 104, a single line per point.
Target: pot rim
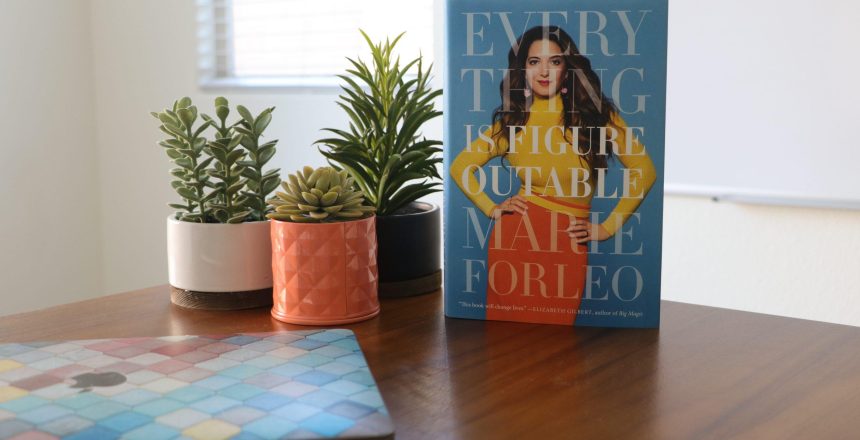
x: 433, y: 208
x: 172, y: 219
x: 317, y: 224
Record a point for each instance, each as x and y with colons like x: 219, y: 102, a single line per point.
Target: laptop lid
x: 300, y: 384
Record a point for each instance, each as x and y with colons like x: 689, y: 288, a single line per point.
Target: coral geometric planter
x: 324, y: 273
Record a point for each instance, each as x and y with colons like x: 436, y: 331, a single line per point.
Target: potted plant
x: 323, y: 250
x: 393, y: 164
x: 218, y: 245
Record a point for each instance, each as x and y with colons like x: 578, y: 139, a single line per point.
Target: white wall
x: 50, y: 222
x: 788, y: 261
x: 797, y: 262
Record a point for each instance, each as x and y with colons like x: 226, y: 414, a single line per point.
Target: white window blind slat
x: 272, y: 40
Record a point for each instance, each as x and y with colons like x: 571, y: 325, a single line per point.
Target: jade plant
x: 383, y: 149
x: 221, y: 180
x: 319, y: 195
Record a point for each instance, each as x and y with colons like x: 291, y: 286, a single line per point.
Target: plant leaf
x: 187, y: 194
x: 264, y: 154
x: 239, y: 218
x: 246, y: 115
x: 263, y: 121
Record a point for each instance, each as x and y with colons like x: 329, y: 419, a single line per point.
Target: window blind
x: 301, y: 41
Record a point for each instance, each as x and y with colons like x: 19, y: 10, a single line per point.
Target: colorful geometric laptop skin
x: 302, y: 384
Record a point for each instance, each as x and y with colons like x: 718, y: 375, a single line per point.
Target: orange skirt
x: 535, y: 271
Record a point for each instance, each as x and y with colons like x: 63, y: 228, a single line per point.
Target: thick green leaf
x: 202, y: 128
x: 184, y: 162
x: 246, y: 115
x: 172, y: 143
x: 234, y: 156
x: 238, y: 218
x: 167, y: 118
x: 172, y: 131
x: 255, y: 203
x: 218, y: 174
x: 218, y: 152
x: 250, y: 173
x: 180, y: 173
x: 265, y: 154
x: 349, y: 214
x: 233, y: 142
x: 249, y: 143
x: 222, y: 111
x: 263, y: 121
x: 210, y: 196
x: 187, y: 194
x: 233, y: 189
x: 178, y: 206
x: 183, y: 102
x: 202, y: 165
x: 186, y: 117
x: 195, y: 218
x: 270, y: 185
x: 244, y: 131
x: 237, y: 169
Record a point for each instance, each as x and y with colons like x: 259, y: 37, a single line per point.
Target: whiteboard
x: 763, y: 101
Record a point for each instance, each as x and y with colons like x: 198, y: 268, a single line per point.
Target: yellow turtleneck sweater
x: 543, y: 157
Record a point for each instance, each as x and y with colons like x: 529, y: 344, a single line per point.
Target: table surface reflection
x: 706, y: 373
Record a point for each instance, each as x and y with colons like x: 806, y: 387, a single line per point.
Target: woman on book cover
x: 554, y: 110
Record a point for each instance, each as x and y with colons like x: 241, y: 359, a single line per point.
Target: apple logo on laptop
x: 87, y: 381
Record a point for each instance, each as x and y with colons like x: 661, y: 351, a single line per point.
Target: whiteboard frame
x: 760, y: 197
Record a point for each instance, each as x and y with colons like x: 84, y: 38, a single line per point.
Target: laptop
x: 298, y: 384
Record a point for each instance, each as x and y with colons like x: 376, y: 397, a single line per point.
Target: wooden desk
x: 707, y: 373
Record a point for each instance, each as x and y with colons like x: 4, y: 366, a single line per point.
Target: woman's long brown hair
x: 583, y: 87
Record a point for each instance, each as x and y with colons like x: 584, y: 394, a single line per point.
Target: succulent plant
x: 185, y: 147
x: 220, y: 181
x: 319, y: 196
x: 383, y: 148
x: 258, y: 184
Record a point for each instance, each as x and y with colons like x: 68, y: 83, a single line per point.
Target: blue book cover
x: 554, y: 152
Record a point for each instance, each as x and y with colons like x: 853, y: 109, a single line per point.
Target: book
x: 554, y: 135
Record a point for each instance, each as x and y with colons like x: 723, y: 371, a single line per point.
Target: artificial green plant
x: 319, y: 195
x: 222, y: 180
x: 383, y: 150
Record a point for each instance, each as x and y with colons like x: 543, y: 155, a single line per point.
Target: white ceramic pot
x: 215, y: 257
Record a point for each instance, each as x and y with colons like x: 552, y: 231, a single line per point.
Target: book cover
x: 554, y: 151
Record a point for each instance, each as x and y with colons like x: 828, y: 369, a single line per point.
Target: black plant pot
x: 409, y: 256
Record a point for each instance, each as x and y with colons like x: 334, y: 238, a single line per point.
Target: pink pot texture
x: 324, y: 273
